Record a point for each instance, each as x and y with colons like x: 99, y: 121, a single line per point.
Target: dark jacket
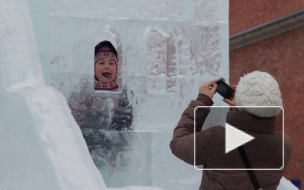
x: 263, y: 152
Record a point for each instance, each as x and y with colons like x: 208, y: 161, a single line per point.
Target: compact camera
x: 224, y: 89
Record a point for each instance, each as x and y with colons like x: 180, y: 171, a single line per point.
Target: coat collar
x: 249, y: 122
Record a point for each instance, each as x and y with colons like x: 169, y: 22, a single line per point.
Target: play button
x: 235, y: 138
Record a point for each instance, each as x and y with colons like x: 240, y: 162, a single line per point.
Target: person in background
x: 104, y: 120
x: 105, y: 67
x: 254, y: 89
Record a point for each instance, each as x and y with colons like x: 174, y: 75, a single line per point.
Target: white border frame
x: 197, y: 107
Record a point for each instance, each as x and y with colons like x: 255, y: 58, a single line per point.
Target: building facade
x: 269, y: 36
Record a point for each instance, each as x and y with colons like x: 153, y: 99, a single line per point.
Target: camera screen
x: 222, y: 89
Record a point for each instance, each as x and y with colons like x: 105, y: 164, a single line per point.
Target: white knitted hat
x: 259, y: 89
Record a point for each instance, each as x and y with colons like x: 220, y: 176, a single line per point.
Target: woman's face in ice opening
x: 105, y: 69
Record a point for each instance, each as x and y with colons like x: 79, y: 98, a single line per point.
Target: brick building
x: 269, y: 36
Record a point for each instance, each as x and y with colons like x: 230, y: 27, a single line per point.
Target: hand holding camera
x: 219, y: 86
x: 226, y: 91
x: 208, y: 88
x: 231, y: 101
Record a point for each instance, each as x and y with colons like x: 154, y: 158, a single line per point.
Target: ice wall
x: 166, y: 49
x: 41, y: 144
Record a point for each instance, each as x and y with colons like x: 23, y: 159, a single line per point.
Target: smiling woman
x: 105, y: 67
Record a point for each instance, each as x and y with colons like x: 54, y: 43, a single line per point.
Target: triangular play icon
x: 235, y: 138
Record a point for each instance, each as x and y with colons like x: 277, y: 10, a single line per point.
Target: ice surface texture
x: 166, y: 50
x: 179, y: 10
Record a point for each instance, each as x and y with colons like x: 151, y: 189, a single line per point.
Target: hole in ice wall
x: 105, y: 67
x: 108, y: 62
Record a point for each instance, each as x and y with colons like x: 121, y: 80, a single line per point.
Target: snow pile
x: 41, y: 144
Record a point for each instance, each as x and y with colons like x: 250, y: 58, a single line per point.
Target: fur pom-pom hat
x: 259, y: 89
